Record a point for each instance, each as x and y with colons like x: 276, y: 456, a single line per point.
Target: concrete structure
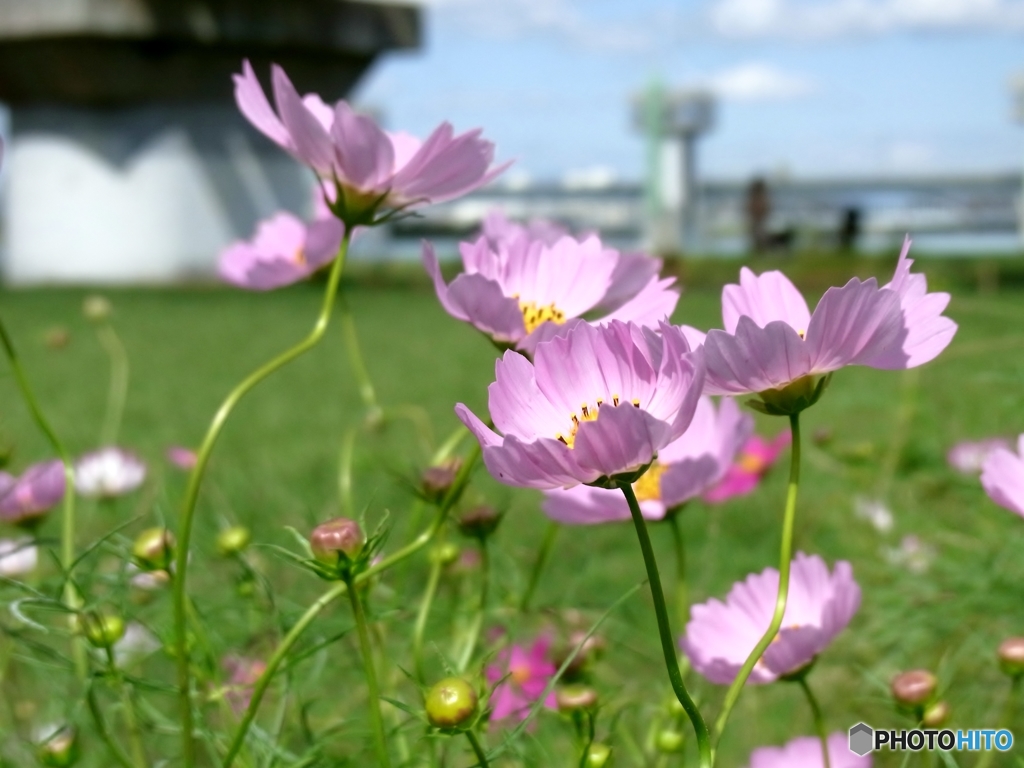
x: 1017, y: 93
x: 127, y: 160
x: 672, y: 123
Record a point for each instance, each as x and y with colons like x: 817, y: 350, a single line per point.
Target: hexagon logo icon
x: 862, y: 738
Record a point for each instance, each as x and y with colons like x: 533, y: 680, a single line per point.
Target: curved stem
x: 421, y: 616
x: 67, y: 531
x: 819, y: 721
x: 355, y: 356
x: 131, y: 721
x: 118, y: 392
x: 478, y: 618
x: 372, y: 689
x: 543, y: 555
x: 328, y: 597
x: 785, y: 559
x: 478, y: 750
x: 668, y: 644
x: 195, y: 481
x: 682, y: 593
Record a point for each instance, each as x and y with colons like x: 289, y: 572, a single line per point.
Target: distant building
x: 127, y: 160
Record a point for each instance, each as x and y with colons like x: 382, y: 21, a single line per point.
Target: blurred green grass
x: 277, y: 465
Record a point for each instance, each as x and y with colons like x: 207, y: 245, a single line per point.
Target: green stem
x: 478, y: 750
x: 682, y: 593
x: 131, y: 721
x: 101, y: 729
x: 478, y: 618
x: 543, y: 555
x: 1005, y: 721
x: 348, y: 449
x: 355, y: 356
x: 819, y: 721
x: 668, y: 644
x: 373, y: 691
x: 785, y: 559
x: 421, y: 616
x: 195, y: 481
x: 67, y: 535
x: 338, y: 589
x: 118, y: 392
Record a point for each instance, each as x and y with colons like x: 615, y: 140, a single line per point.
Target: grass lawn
x: 881, y: 435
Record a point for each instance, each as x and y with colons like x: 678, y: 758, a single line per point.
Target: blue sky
x: 807, y: 87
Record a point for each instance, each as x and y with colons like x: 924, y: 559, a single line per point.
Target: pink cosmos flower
x: 24, y: 500
x: 108, y: 472
x: 805, y: 752
x: 1002, y: 477
x: 684, y: 469
x: 969, y: 456
x: 182, y: 458
x: 756, y: 457
x: 243, y: 673
x: 283, y: 251
x: 498, y: 228
x: 595, y: 406
x: 521, y: 290
x: 771, y: 339
x: 371, y: 169
x: 720, y: 636
x: 527, y: 674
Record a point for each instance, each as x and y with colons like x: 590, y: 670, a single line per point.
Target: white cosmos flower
x: 108, y: 472
x: 18, y: 557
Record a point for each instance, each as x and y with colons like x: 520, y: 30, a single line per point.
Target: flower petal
x: 754, y: 359
x: 623, y: 438
x: 1002, y: 477
x: 310, y: 142
x: 851, y: 324
x: 365, y: 154
x: 764, y: 298
x: 252, y: 103
x: 517, y: 405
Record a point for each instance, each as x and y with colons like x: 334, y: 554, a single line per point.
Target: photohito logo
x: 864, y: 739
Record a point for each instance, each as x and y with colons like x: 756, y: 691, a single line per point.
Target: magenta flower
x: 772, y: 342
x: 368, y: 169
x: 684, y: 469
x: 243, y: 674
x: 969, y: 456
x: 720, y: 636
x: 24, y: 500
x: 595, y: 407
x: 108, y: 472
x: 756, y: 457
x: 805, y: 752
x: 182, y: 458
x: 522, y: 290
x: 526, y: 673
x: 1002, y: 477
x: 283, y: 251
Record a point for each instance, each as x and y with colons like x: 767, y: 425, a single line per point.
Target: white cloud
x: 757, y: 81
x: 835, y: 18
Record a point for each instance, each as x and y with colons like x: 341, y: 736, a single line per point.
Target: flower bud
x: 451, y: 703
x: 96, y: 308
x: 233, y: 541
x: 59, y: 750
x: 589, y: 652
x: 479, y: 522
x: 436, y: 481
x: 936, y: 715
x: 794, y: 397
x: 154, y: 549
x: 444, y: 554
x: 1011, y: 656
x: 571, y: 698
x: 57, y: 337
x: 669, y: 741
x: 102, y: 630
x: 336, y: 537
x: 914, y: 688
x: 598, y: 756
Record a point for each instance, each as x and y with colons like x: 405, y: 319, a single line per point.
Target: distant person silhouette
x: 849, y: 229
x: 759, y: 205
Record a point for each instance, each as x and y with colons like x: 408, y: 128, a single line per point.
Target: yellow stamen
x: 648, y: 487
x: 752, y: 463
x: 300, y: 257
x: 520, y: 674
x: 534, y: 316
x: 587, y: 415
